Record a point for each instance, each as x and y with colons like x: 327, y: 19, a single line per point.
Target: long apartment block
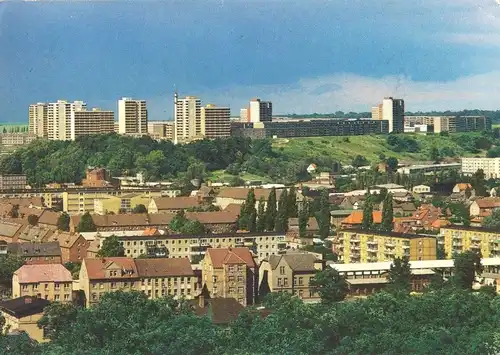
x: 459, y: 239
x: 360, y: 246
x: 195, y: 246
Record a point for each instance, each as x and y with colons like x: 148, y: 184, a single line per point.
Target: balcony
x: 406, y: 247
x: 457, y: 244
x: 372, y: 250
x: 389, y: 252
x: 372, y: 242
x: 390, y: 245
x: 475, y: 246
x: 475, y: 238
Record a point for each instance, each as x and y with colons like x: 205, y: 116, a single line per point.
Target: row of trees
x: 386, y: 224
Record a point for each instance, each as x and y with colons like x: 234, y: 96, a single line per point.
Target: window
x: 56, y: 297
x: 57, y: 285
x: 301, y: 281
x: 285, y: 281
x: 282, y: 270
x: 231, y: 278
x: 240, y: 290
x: 231, y: 269
x: 231, y: 290
x: 279, y: 282
x: 113, y: 285
x: 301, y: 293
x: 125, y: 284
x: 240, y: 278
x: 66, y: 297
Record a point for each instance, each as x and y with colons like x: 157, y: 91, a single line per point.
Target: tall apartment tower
x: 59, y: 118
x: 187, y: 118
x: 260, y: 111
x: 84, y: 123
x: 132, y: 116
x: 393, y: 111
x: 38, y: 119
x: 377, y: 112
x: 215, y: 122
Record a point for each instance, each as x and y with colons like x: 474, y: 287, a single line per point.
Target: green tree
x: 393, y: 163
x: 193, y: 228
x: 440, y: 252
x: 63, y: 222
x: 111, y: 247
x: 387, y: 214
x: 399, y: 276
x: 479, y: 183
x: 281, y: 224
x: 178, y: 221
x: 434, y: 154
x: 331, y: 286
x: 367, y: 222
x: 359, y: 160
x: 466, y: 266
x: 248, y: 214
x: 8, y: 264
x: 271, y: 210
x: 492, y: 221
x: 86, y: 224
x: 323, y: 214
x: 303, y: 219
x: 140, y: 208
x: 252, y: 222
x: 74, y: 268
x: 14, y: 211
x: 292, y: 203
x: 261, y: 215
x: 57, y: 317
x: 33, y: 219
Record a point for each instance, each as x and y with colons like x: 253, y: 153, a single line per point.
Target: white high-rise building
x: 187, y: 118
x: 132, y: 116
x: 244, y: 114
x: 59, y: 118
x: 489, y: 166
x: 38, y: 119
x: 393, y: 111
x: 260, y: 111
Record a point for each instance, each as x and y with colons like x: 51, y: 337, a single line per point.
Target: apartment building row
x: 361, y: 246
x: 451, y: 124
x: 455, y: 239
x: 490, y: 166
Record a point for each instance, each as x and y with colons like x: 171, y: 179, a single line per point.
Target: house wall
x: 52, y: 291
x: 28, y: 324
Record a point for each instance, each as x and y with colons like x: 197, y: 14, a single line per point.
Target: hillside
x: 344, y: 149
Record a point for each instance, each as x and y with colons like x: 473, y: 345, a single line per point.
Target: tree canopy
x: 86, y: 224
x: 111, y: 247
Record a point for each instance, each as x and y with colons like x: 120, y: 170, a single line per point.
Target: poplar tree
x: 292, y: 203
x: 271, y: 210
x: 303, y: 219
x: 387, y: 214
x: 261, y: 216
x: 281, y: 224
x: 367, y: 222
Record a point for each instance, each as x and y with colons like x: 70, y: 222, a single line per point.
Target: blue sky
x: 305, y: 56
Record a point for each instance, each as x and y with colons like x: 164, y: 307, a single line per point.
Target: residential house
x: 52, y: 282
x: 292, y: 273
x: 172, y: 204
x: 353, y: 202
x: 33, y: 234
x: 48, y: 219
x: 23, y: 314
x: 155, y: 277
x: 216, y: 222
x: 73, y: 246
x: 312, y: 227
x: 337, y: 216
x: 402, y: 196
x: 238, y: 195
x: 426, y: 215
x: 355, y: 219
x: 462, y: 187
x: 9, y: 231
x: 95, y: 177
x: 230, y: 272
x: 37, y: 253
x: 484, y: 207
x: 421, y: 189
x: 122, y: 222
x: 361, y: 246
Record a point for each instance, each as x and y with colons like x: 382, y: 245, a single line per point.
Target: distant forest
x: 493, y: 115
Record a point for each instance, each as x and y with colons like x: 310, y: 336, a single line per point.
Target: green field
x: 221, y: 176
x: 344, y: 149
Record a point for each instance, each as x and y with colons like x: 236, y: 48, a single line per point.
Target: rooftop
x: 43, y: 273
x: 159, y: 267
x: 24, y: 306
x: 222, y: 256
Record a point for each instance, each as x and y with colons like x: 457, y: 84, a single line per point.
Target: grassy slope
x: 367, y: 146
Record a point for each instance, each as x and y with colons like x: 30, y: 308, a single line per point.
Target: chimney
x: 103, y: 260
x: 27, y: 300
x: 201, y: 301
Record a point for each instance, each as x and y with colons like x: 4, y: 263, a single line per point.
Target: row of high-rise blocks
x: 63, y: 120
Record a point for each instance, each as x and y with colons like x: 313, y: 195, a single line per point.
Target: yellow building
x: 81, y: 201
x: 52, y: 282
x: 22, y: 314
x: 457, y: 239
x: 117, y: 204
x: 290, y: 272
x: 155, y: 277
x: 230, y: 273
x: 360, y: 246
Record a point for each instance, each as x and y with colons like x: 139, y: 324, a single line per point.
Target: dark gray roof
x: 296, y: 261
x: 35, y: 249
x: 24, y: 306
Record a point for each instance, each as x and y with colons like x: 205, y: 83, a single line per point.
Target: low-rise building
x: 292, y: 273
x: 37, y: 253
x: 23, y: 314
x: 360, y: 246
x: 230, y: 273
x: 172, y: 204
x: 421, y: 189
x: 13, y: 182
x: 355, y: 219
x: 52, y: 282
x: 238, y: 195
x: 489, y: 166
x: 312, y: 227
x: 457, y: 239
x: 484, y: 206
x: 120, y: 204
x: 155, y: 277
x: 73, y: 246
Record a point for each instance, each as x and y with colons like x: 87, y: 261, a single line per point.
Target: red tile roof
x: 221, y: 256
x: 43, y: 273
x: 175, y: 203
x: 356, y: 217
x: 96, y: 267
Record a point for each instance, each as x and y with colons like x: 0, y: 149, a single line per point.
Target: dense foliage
x: 447, y: 321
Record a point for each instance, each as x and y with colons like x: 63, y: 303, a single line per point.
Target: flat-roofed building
x: 187, y: 117
x: 97, y: 121
x: 37, y: 118
x: 13, y: 181
x: 215, y: 122
x: 361, y: 246
x: 132, y: 116
x: 489, y: 166
x: 457, y: 239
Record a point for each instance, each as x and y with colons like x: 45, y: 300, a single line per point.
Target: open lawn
x: 344, y: 149
x: 221, y: 176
